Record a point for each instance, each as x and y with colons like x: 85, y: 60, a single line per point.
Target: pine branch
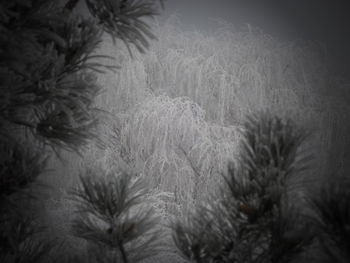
x: 123, y: 20
x: 331, y: 219
x: 49, y: 68
x: 20, y: 240
x: 251, y: 220
x: 71, y: 4
x: 19, y: 167
x: 111, y: 215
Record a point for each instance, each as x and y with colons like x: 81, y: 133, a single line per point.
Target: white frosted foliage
x: 170, y: 141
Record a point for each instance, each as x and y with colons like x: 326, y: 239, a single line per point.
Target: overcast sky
x: 327, y: 21
x: 312, y: 18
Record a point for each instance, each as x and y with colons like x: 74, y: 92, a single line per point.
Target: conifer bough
x: 49, y: 63
x: 48, y: 86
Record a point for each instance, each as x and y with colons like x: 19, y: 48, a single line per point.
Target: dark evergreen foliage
x: 331, y: 220
x: 251, y: 220
x: 114, y: 218
x: 48, y: 85
x: 21, y: 240
x: 122, y: 19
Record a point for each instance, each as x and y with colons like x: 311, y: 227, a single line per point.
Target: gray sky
x: 327, y: 21
x: 312, y: 18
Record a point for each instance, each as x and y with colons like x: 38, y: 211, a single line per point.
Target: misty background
x: 324, y: 21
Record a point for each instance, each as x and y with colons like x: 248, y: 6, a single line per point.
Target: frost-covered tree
x: 48, y: 76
